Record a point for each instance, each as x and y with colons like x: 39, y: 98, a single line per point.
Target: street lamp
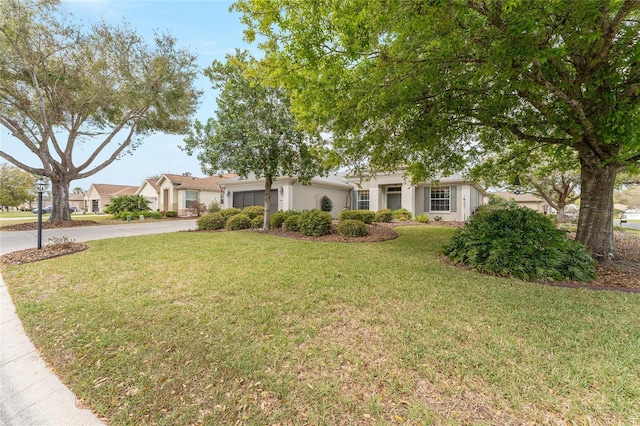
x: 41, y: 185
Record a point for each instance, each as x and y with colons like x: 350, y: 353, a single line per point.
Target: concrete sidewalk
x: 30, y: 393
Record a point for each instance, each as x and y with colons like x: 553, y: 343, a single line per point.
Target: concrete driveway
x: 20, y: 240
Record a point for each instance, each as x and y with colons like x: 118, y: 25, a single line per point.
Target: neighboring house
x: 454, y: 198
x: 77, y: 201
x: 527, y: 200
x: 632, y: 214
x: 151, y: 191
x: 98, y: 197
x: 179, y: 193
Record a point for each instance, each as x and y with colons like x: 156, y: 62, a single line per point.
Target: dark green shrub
x: 326, y: 205
x: 210, y: 221
x: 171, y: 213
x: 314, y: 223
x: 132, y: 203
x: 422, y: 218
x: 384, y: 215
x: 231, y: 211
x: 402, y: 215
x: 277, y: 219
x: 253, y: 211
x: 238, y: 221
x: 352, y: 228
x: 292, y: 223
x: 521, y: 243
x: 368, y: 216
x: 257, y: 222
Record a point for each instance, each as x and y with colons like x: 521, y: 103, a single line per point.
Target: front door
x: 394, y: 201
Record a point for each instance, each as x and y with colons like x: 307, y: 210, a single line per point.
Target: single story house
x: 150, y: 190
x: 77, y: 201
x: 99, y: 195
x: 453, y: 199
x: 179, y: 193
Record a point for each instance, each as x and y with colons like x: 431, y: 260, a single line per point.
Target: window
x: 363, y: 200
x: 191, y: 199
x: 440, y: 199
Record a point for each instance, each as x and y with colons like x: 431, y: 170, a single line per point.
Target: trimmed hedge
x: 366, y: 216
x: 402, y: 215
x: 292, y: 223
x: 210, y: 221
x: 257, y: 222
x: 253, y: 211
x: 277, y: 219
x: 352, y: 228
x: 314, y: 223
x: 237, y: 222
x: 231, y: 211
x: 171, y: 213
x: 522, y: 243
x: 384, y: 215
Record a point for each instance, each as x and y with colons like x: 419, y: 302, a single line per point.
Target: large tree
x: 253, y: 131
x: 429, y: 83
x: 16, y: 186
x: 100, y: 90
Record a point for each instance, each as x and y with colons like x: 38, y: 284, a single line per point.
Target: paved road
x: 30, y: 393
x: 632, y: 225
x: 20, y: 240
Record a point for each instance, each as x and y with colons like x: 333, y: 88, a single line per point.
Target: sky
x: 205, y: 27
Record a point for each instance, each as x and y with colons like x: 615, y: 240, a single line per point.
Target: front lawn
x: 249, y: 328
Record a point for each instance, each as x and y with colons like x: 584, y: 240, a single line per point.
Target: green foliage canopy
x: 433, y: 84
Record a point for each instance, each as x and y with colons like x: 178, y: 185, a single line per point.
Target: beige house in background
x: 179, y: 193
x: 98, y: 197
x: 150, y: 190
x: 527, y: 200
x: 77, y: 201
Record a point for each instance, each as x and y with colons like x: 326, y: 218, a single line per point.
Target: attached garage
x: 244, y: 199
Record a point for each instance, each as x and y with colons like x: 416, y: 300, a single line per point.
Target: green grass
x: 242, y: 327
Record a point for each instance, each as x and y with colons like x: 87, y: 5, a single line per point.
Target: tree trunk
x: 60, y: 195
x: 267, y: 201
x: 595, y: 223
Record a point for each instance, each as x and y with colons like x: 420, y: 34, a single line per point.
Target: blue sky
x: 205, y: 27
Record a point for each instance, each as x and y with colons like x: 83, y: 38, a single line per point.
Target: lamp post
x: 41, y: 185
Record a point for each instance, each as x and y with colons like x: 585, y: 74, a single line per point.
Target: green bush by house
x: 366, y: 216
x: 257, y: 222
x: 519, y: 242
x: 314, y: 223
x: 352, y: 228
x: 384, y: 215
x: 231, y: 211
x: 422, y: 218
x: 253, y: 211
x: 402, y: 215
x: 237, y: 222
x: 292, y: 223
x: 210, y: 221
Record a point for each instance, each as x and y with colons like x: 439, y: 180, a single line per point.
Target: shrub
x: 257, y: 222
x: 422, y: 218
x: 171, y: 213
x: 352, y: 228
x: 384, y: 215
x: 197, y: 209
x: 253, y: 211
x: 210, y: 221
x: 326, y: 205
x: 231, y: 211
x: 522, y: 243
x: 238, y: 221
x: 314, y: 223
x: 368, y: 216
x: 132, y: 203
x: 292, y: 223
x: 277, y: 219
x: 402, y: 215
x: 214, y: 206
x: 351, y: 215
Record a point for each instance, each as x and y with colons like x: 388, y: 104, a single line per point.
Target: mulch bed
x: 621, y: 275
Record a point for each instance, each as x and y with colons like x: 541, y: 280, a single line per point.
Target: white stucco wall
x: 307, y: 197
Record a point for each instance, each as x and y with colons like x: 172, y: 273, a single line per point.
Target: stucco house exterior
x: 179, y: 193
x: 453, y: 199
x: 99, y: 195
x: 77, y: 202
x: 150, y: 190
